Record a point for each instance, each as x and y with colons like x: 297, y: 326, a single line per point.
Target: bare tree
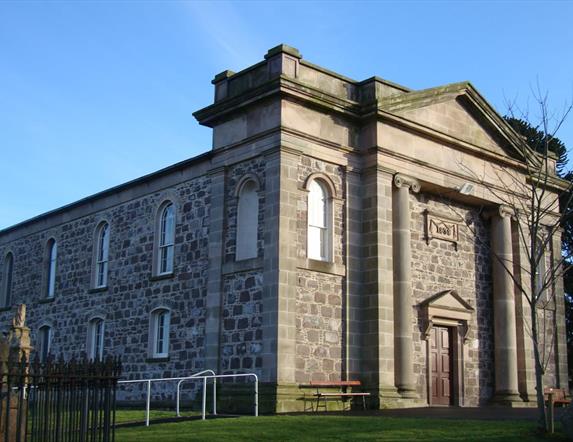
x: 541, y: 204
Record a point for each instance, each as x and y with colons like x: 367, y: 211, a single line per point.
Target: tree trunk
x: 542, y: 423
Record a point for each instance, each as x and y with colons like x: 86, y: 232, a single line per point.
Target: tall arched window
x: 247, y: 221
x: 159, y: 333
x: 318, y: 221
x: 51, y: 268
x: 166, y: 239
x: 102, y: 255
x: 44, y: 342
x: 6, y: 299
x: 95, y: 339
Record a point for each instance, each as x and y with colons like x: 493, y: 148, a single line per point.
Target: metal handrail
x: 149, y: 381
x: 230, y: 376
x: 204, y: 390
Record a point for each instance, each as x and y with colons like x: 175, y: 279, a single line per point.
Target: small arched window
x: 166, y: 239
x: 95, y: 339
x: 102, y: 255
x: 6, y: 299
x: 318, y: 221
x: 247, y: 222
x: 51, y: 268
x: 159, y: 333
x: 44, y: 342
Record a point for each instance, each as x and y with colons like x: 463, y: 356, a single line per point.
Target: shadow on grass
x: 336, y: 428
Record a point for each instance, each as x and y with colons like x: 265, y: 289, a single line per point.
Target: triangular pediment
x: 460, y: 112
x: 448, y: 299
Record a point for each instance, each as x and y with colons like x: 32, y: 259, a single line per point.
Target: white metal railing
x: 150, y: 381
x: 196, y: 376
x: 215, y: 377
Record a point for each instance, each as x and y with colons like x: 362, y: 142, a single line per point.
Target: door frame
x: 456, y: 349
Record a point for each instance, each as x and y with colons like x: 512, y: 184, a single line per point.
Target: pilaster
x: 378, y: 274
x: 214, y: 294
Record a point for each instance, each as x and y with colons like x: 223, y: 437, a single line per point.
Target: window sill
x: 98, y: 289
x: 242, y: 266
x: 162, y: 276
x: 47, y: 300
x: 162, y: 359
x: 322, y: 267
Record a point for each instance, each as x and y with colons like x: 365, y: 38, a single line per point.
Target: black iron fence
x: 59, y: 401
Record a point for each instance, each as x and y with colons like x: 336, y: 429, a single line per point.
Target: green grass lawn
x: 129, y: 416
x: 334, y: 428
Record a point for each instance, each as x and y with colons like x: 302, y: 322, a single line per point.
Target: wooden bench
x: 342, y: 386
x: 558, y: 397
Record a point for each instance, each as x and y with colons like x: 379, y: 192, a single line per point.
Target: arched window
x: 159, y: 333
x: 247, y: 222
x: 318, y: 221
x: 102, y: 255
x: 6, y: 299
x: 44, y: 342
x: 51, y: 268
x: 166, y: 240
x: 95, y: 339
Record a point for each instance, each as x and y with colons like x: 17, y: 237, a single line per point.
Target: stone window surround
x: 96, y: 249
x: 330, y: 203
x: 152, y: 334
x: 45, y: 327
x: 91, y: 335
x: 247, y: 178
x: 155, y: 273
x: 48, y: 269
x: 7, y: 281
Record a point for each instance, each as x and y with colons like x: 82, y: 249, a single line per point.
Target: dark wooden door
x: 441, y: 365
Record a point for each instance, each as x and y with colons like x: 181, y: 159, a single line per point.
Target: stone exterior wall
x: 132, y: 291
x: 320, y: 295
x: 242, y: 335
x: 319, y: 327
x: 439, y: 265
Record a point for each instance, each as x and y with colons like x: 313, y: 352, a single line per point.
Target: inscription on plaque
x: 440, y: 227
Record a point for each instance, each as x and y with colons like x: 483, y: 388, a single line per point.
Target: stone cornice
x: 401, y: 180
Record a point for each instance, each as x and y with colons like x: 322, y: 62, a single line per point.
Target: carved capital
x: 500, y: 211
x: 406, y: 181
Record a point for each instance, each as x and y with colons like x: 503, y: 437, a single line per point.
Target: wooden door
x: 441, y: 358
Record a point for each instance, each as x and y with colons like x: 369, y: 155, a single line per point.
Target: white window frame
x: 166, y: 241
x: 102, y: 256
x: 246, y: 241
x: 160, y: 325
x: 51, y: 268
x: 44, y: 342
x: 319, y: 225
x: 96, y: 336
x: 7, y: 277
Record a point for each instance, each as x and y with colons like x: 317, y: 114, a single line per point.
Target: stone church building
x: 337, y: 229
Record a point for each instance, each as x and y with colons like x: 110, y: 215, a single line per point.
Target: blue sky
x: 95, y: 93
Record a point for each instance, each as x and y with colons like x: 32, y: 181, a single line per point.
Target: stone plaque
x: 441, y: 227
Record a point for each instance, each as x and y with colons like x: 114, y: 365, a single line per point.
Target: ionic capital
x: 500, y: 211
x: 406, y: 181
